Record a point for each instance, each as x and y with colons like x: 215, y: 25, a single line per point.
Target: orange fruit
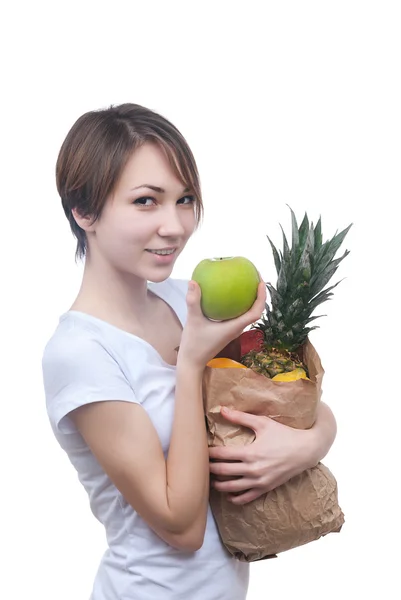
x: 225, y: 363
x: 294, y: 375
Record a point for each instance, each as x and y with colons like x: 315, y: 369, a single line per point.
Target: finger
x: 226, y: 469
x: 246, y: 497
x: 227, y: 453
x: 221, y: 478
x: 258, y: 307
x: 260, y: 302
x: 193, y: 298
x: 233, y: 485
x: 239, y: 417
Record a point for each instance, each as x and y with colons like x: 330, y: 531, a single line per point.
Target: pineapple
x: 270, y: 361
x: 303, y: 272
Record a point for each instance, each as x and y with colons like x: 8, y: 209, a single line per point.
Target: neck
x: 113, y: 296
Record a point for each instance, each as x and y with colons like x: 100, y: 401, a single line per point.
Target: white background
x: 293, y: 103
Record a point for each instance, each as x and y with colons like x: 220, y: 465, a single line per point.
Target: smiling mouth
x: 162, y: 252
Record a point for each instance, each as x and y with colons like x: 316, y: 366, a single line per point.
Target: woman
x: 123, y: 370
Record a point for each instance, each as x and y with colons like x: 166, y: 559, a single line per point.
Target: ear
x: 86, y: 223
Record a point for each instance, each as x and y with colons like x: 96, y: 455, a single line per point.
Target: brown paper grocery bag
x: 297, y: 512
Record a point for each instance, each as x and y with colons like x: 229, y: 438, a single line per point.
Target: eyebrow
x: 155, y: 188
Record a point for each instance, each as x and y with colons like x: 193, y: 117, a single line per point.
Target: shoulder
x: 72, y: 342
x: 171, y: 286
x: 174, y: 292
x: 79, y: 368
x: 179, y: 287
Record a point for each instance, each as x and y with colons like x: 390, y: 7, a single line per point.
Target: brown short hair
x: 96, y: 150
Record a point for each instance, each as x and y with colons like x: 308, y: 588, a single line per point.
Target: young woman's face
x: 149, y: 212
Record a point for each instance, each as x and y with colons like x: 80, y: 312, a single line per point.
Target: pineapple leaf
x: 295, y: 239
x: 305, y: 263
x: 286, y: 248
x: 274, y: 295
x: 310, y: 240
x: 282, y: 282
x: 300, y: 327
x: 331, y: 247
x: 281, y: 326
x: 318, y: 300
x: 303, y: 232
x: 324, y: 277
x: 326, y: 291
x: 307, y: 330
x: 313, y: 318
x: 303, y: 271
x: 273, y: 320
x: 295, y: 307
x: 277, y: 260
x: 323, y: 268
x: 318, y: 235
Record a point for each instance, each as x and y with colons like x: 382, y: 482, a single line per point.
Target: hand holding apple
x: 229, y: 286
x: 202, y: 338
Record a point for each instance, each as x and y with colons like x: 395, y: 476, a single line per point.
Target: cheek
x: 189, y: 223
x: 121, y: 235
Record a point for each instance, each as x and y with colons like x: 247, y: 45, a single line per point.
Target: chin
x: 158, y: 277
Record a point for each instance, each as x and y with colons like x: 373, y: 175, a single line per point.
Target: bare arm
x: 323, y: 434
x: 170, y: 495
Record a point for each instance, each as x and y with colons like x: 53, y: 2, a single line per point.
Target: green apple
x: 229, y: 286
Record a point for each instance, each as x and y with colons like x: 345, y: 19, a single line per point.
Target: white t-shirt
x: 88, y: 360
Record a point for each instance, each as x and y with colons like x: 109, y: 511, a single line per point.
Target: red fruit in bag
x: 251, y: 340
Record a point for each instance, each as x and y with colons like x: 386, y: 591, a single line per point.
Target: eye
x: 186, y: 200
x: 144, y: 201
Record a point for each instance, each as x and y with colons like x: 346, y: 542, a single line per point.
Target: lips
x: 161, y: 250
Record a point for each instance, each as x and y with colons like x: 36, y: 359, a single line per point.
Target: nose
x: 171, y: 224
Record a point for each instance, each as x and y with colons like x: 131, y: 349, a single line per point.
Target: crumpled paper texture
x: 297, y: 512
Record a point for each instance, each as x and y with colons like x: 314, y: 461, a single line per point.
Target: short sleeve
x: 174, y: 292
x: 78, y: 370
